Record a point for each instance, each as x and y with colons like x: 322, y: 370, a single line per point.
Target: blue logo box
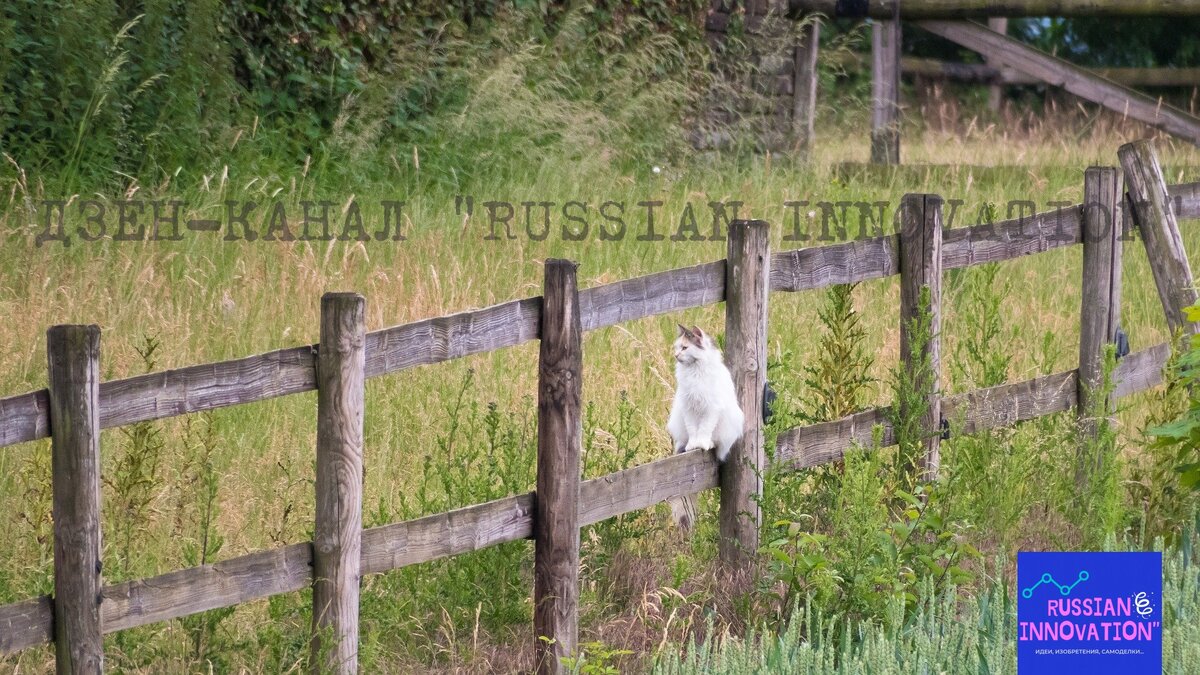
x: 1089, y: 612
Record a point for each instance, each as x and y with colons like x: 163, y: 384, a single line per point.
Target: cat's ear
x: 696, y: 336
x: 683, y: 331
x: 697, y: 332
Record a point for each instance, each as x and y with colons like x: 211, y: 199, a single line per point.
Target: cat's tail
x: 683, y: 511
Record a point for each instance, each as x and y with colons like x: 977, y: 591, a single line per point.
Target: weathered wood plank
x: 1078, y: 81
x: 559, y: 448
x: 1155, y: 218
x: 1008, y: 404
x: 24, y: 417
x: 651, y: 295
x: 337, y: 535
x: 450, y: 337
x: 645, y: 485
x: 1100, y: 308
x: 180, y: 391
x: 921, y: 319
x: 747, y: 288
x: 1186, y: 198
x: 73, y: 353
x: 885, y: 92
x: 1008, y: 239
x: 962, y: 9
x: 26, y: 624
x: 820, y: 266
x: 1141, y: 370
x: 199, y: 589
x: 442, y: 535
x: 208, y: 386
x: 29, y: 623
x: 816, y: 444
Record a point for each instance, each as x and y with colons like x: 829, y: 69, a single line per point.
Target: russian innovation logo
x: 1089, y: 612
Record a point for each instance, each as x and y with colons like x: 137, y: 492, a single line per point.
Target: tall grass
x: 949, y: 632
x: 528, y: 121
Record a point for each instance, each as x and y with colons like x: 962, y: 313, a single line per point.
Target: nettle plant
x: 1183, y: 434
x: 855, y: 537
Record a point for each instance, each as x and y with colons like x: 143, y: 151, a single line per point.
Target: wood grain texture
x: 1186, y: 198
x: 73, y: 353
x: 921, y: 315
x: 1100, y: 308
x: 451, y: 337
x: 442, y: 535
x: 1154, y: 215
x: 560, y: 443
x: 24, y: 417
x: 136, y: 603
x: 337, y: 535
x: 747, y: 286
x: 885, y: 92
x: 1012, y: 238
x: 1007, y: 404
x: 1076, y: 80
x: 820, y: 266
x: 651, y: 295
x: 180, y: 391
x: 1141, y: 370
x: 199, y: 589
x: 817, y: 444
x: 26, y: 624
x: 645, y: 485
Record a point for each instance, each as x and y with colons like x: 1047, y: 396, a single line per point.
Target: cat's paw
x: 699, y: 444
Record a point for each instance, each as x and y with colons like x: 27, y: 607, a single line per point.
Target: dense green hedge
x: 102, y: 87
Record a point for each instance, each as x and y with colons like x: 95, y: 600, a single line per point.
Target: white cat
x: 705, y: 413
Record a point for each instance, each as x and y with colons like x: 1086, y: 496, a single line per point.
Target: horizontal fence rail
x: 388, y: 547
x: 181, y: 391
x: 918, y: 253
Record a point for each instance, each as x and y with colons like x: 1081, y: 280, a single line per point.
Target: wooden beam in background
x: 1078, y: 81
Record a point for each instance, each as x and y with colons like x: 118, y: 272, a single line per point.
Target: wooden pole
x: 560, y: 437
x: 885, y: 92
x: 337, y: 538
x: 1078, y: 81
x: 1154, y: 214
x: 747, y: 274
x: 996, y: 90
x: 921, y: 273
x: 1101, y: 231
x: 804, y: 90
x: 74, y: 359
x: 962, y: 9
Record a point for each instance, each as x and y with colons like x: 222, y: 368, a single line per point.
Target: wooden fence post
x: 560, y: 438
x: 747, y: 274
x: 337, y: 538
x: 1101, y: 228
x: 920, y: 273
x: 996, y: 89
x: 74, y: 359
x: 804, y: 89
x: 885, y: 92
x: 1155, y: 217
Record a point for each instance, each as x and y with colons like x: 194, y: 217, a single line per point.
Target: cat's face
x: 692, y: 345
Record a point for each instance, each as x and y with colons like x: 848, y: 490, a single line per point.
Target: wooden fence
x: 76, y: 406
x: 787, y: 114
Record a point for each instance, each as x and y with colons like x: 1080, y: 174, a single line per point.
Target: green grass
x: 460, y: 433
x: 948, y: 633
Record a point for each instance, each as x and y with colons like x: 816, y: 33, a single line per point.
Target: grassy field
x: 210, y: 486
